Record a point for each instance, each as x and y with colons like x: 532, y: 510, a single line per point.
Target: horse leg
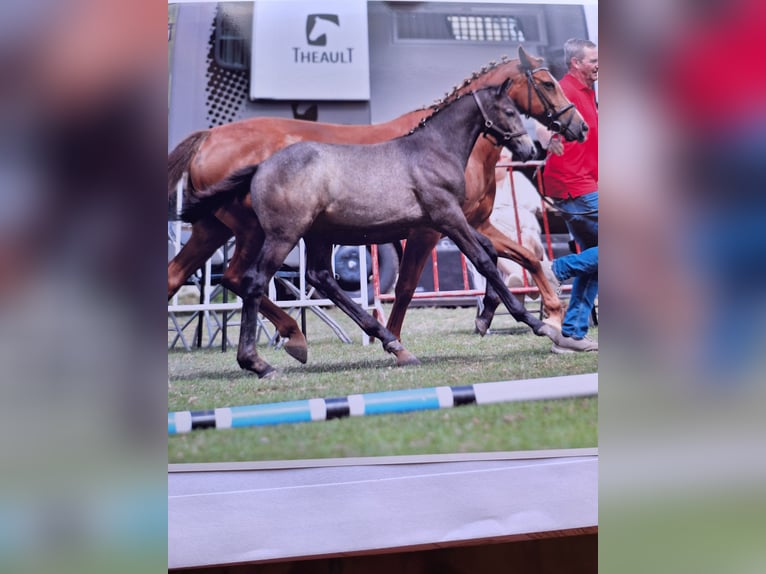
x: 244, y: 256
x: 491, y: 299
x: 420, y: 244
x: 247, y: 354
x: 319, y: 274
x: 253, y: 286
x: 477, y: 247
x: 508, y: 249
x: 207, y: 235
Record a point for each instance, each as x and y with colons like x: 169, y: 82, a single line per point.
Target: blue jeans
x: 576, y: 264
x: 581, y: 217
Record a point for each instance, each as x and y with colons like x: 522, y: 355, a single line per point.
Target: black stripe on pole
x: 202, y: 419
x: 463, y: 395
x: 337, y: 408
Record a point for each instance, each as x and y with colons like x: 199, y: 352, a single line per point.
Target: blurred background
x: 683, y: 111
x: 83, y: 106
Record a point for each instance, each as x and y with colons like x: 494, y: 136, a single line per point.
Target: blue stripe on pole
x: 271, y: 414
x: 400, y: 401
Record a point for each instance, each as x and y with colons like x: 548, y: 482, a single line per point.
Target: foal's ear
x: 504, y: 88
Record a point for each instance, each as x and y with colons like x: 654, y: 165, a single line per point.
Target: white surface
x: 231, y: 516
x: 537, y: 389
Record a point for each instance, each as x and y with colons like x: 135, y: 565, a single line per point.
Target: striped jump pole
x: 386, y: 402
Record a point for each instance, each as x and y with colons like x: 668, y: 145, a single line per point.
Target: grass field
x: 451, y: 354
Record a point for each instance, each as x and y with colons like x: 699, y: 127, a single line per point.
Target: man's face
x: 587, y: 67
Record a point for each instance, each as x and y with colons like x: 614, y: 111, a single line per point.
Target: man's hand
x: 556, y: 145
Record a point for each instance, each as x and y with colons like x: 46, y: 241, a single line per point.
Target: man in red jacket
x: 571, y: 180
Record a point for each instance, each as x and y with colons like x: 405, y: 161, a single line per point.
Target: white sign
x: 310, y: 50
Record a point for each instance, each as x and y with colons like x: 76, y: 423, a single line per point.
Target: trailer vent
x: 486, y: 28
x: 419, y: 26
x: 227, y: 86
x: 232, y: 42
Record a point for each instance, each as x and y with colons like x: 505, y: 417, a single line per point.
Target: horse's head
x: 538, y: 94
x: 534, y: 90
x: 502, y: 121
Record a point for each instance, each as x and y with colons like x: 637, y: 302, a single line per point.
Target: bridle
x: 552, y: 115
x: 489, y: 129
x: 501, y: 136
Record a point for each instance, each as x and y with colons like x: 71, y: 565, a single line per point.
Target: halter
x: 501, y: 137
x: 551, y: 113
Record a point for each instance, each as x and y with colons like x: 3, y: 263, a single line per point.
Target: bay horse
x: 357, y: 194
x: 210, y: 155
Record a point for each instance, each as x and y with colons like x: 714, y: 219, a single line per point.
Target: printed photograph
x: 382, y: 229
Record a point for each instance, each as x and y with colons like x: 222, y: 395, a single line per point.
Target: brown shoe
x: 570, y: 345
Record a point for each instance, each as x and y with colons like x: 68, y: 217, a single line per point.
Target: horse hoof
x: 554, y: 322
x: 299, y: 352
x: 546, y: 330
x: 482, y: 326
x: 257, y: 366
x: 403, y: 356
x: 405, y: 359
x: 268, y: 373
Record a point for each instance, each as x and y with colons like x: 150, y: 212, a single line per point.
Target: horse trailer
x: 220, y: 55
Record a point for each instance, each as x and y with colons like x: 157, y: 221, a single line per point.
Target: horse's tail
x: 203, y: 202
x: 181, y: 156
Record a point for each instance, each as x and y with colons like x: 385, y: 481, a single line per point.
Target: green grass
x: 451, y: 354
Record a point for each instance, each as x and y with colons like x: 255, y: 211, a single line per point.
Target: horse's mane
x: 450, y: 97
x: 455, y: 94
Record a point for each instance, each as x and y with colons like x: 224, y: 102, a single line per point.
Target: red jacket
x: 575, y: 172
